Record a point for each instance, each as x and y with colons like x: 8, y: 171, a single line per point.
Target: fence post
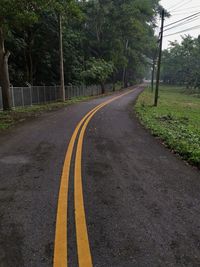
x: 22, y: 93
x: 66, y: 92
x: 70, y: 92
x: 45, y: 95
x: 30, y: 87
x: 50, y: 88
x: 55, y: 93
x: 13, y: 98
x: 38, y: 95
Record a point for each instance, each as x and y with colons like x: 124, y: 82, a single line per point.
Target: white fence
x: 28, y: 96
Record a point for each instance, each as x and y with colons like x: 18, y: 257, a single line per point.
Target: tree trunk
x: 102, y: 88
x: 4, y: 74
x: 124, y: 82
x: 113, y: 82
x: 62, y: 79
x: 124, y: 77
x: 30, y: 66
x: 29, y: 38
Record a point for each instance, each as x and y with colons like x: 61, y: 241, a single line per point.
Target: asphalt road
x: 140, y: 205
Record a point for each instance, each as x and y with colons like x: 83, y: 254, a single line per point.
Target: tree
x: 120, y: 32
x: 23, y: 15
x: 117, y: 35
x: 97, y: 71
x: 14, y: 14
x: 181, y: 63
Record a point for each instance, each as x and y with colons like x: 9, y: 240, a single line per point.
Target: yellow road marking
x: 60, y: 246
x: 84, y: 254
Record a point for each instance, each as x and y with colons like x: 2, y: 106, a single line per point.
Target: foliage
x: 176, y: 120
x: 111, y: 33
x: 181, y: 63
x: 97, y: 70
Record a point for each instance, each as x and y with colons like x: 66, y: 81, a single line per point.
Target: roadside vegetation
x: 103, y: 42
x: 176, y: 120
x: 9, y: 119
x: 181, y: 64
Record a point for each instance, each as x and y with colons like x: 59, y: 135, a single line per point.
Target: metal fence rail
x: 33, y: 95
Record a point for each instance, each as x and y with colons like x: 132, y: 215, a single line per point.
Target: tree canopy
x: 181, y: 63
x: 104, y: 35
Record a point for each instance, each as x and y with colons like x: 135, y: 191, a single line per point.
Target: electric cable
x: 189, y: 29
x: 185, y: 18
x: 183, y: 4
x: 183, y: 23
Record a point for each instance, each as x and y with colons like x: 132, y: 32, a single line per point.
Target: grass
x: 176, y: 120
x: 9, y: 119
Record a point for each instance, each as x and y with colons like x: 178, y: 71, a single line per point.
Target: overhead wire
x: 183, y: 14
x: 175, y: 5
x: 183, y: 23
x: 185, y: 18
x: 189, y: 29
x: 181, y: 5
x: 185, y: 9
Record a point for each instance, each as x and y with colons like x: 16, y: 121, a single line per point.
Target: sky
x: 181, y: 9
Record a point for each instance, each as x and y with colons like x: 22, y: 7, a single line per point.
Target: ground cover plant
x: 176, y: 120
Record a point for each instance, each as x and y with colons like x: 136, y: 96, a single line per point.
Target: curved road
x: 88, y: 186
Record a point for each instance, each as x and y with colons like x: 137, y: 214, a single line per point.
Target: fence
x: 28, y: 96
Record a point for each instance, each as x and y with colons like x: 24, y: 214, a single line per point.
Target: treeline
x: 103, y: 40
x: 181, y: 63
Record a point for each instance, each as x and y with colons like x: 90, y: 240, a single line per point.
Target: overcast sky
x: 181, y: 9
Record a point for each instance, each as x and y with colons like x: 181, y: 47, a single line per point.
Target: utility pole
x: 159, y: 60
x: 124, y: 70
x: 62, y: 78
x: 153, y: 74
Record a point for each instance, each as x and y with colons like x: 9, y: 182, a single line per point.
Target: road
x: 87, y: 185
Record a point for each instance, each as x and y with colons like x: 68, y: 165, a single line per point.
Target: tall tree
x: 14, y: 14
x: 116, y: 36
x: 23, y: 15
x: 181, y: 63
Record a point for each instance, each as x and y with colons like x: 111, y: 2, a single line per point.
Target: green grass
x: 9, y: 119
x: 176, y: 120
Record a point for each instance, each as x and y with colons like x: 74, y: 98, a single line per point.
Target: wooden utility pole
x: 124, y: 69
x: 62, y: 78
x: 153, y: 74
x: 159, y: 60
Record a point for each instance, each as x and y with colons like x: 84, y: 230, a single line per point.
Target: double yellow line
x: 83, y: 247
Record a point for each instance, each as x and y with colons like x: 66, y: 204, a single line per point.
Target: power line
x: 183, y: 23
x: 185, y: 13
x: 175, y: 5
x: 191, y: 16
x: 179, y: 4
x: 192, y: 28
x: 185, y: 9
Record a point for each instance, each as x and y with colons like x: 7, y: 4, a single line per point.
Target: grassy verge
x: 11, y: 118
x: 176, y: 120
